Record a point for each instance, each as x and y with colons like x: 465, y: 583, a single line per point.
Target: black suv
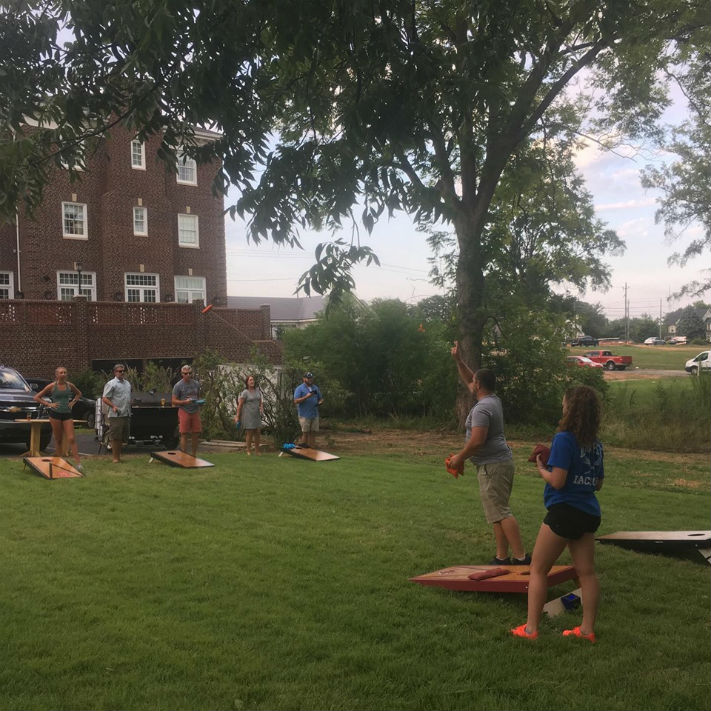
x: 584, y: 341
x: 17, y: 403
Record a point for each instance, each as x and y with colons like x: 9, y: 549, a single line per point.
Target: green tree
x: 685, y: 182
x: 351, y: 106
x: 690, y: 323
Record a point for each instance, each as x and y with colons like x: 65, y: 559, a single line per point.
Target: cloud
x: 626, y: 204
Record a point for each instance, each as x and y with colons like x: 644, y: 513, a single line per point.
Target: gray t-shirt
x: 119, y: 392
x: 489, y: 413
x: 183, y: 391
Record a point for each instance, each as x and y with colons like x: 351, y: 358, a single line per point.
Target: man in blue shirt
x: 307, y: 398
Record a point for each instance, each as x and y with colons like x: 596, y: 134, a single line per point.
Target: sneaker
x: 79, y: 468
x: 520, y: 631
x: 575, y: 632
x: 526, y: 560
x: 500, y: 561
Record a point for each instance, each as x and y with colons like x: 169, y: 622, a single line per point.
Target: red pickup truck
x: 608, y: 360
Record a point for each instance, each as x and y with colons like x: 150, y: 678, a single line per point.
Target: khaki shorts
x: 495, y: 484
x: 308, y: 425
x: 118, y: 429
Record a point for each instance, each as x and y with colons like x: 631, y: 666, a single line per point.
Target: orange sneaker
x: 575, y: 632
x: 520, y: 631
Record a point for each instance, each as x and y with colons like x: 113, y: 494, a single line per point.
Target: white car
x: 677, y: 341
x: 698, y: 363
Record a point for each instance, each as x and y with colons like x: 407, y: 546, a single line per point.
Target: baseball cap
x: 309, y: 375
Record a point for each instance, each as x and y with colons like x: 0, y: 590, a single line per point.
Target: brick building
x: 138, y: 238
x: 131, y: 229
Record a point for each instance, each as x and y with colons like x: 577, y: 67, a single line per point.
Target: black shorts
x: 60, y: 416
x: 568, y: 522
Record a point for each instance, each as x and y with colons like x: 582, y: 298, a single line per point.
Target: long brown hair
x: 582, y: 416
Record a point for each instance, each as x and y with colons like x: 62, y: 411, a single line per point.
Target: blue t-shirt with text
x: 585, y: 469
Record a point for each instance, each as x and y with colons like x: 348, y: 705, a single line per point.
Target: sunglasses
x: 119, y: 370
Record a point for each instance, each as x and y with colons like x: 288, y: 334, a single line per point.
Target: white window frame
x: 68, y: 285
x: 142, y: 288
x: 85, y: 220
x: 196, y: 220
x: 187, y: 165
x: 192, y: 288
x: 136, y: 231
x: 142, y: 164
x: 7, y: 284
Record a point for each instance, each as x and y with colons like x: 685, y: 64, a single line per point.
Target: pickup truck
x: 608, y: 360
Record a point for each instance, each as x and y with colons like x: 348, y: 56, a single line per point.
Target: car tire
x: 90, y: 420
x: 694, y: 370
x: 610, y: 365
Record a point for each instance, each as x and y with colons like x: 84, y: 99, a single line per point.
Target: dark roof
x: 283, y: 309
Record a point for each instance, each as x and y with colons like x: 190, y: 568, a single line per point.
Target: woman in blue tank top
x: 59, y: 397
x: 573, y: 474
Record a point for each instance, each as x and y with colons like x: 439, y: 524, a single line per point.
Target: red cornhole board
x: 491, y: 578
x: 669, y: 542
x: 52, y: 467
x: 314, y: 455
x: 181, y: 459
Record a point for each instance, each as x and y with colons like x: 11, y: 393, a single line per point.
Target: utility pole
x: 660, y: 318
x: 627, y: 317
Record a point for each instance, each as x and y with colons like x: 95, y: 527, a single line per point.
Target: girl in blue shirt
x: 573, y: 473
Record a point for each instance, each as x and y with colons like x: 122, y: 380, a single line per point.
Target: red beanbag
x: 454, y: 472
x: 541, y: 449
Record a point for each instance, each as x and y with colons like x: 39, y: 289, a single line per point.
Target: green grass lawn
x: 276, y: 583
x: 650, y: 357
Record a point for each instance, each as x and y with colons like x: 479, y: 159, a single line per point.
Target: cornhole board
x: 491, y: 578
x: 315, y: 455
x: 52, y: 467
x: 180, y: 459
x: 669, y: 542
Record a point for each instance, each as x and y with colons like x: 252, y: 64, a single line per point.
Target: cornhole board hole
x: 491, y: 578
x: 315, y: 455
x: 181, y: 459
x: 52, y: 467
x: 666, y: 542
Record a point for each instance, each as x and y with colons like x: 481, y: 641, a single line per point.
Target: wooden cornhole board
x: 669, y: 542
x: 52, y: 467
x: 315, y: 455
x: 181, y: 459
x: 491, y: 578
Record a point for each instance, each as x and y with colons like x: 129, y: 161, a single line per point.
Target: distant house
x: 286, y: 312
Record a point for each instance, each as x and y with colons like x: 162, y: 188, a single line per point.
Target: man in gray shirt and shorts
x: 487, y: 448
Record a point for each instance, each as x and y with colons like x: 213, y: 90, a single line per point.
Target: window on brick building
x: 68, y: 285
x: 187, y: 169
x: 7, y: 286
x: 74, y: 221
x: 189, y: 289
x: 138, y: 154
x: 142, y: 287
x: 188, y: 231
x: 140, y: 221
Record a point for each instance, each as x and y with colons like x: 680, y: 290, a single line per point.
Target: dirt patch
x: 389, y: 441
x: 639, y: 374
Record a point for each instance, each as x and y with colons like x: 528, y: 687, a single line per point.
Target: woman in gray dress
x: 250, y: 408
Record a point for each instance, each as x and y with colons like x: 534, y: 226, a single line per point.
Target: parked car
x: 608, y: 360
x: 677, y: 341
x: 17, y: 403
x: 654, y: 341
x: 583, y: 362
x: 584, y: 341
x: 698, y: 363
x: 83, y: 410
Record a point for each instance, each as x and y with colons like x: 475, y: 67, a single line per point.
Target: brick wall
x: 36, y: 336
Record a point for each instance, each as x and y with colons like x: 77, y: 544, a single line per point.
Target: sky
x: 613, y: 179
